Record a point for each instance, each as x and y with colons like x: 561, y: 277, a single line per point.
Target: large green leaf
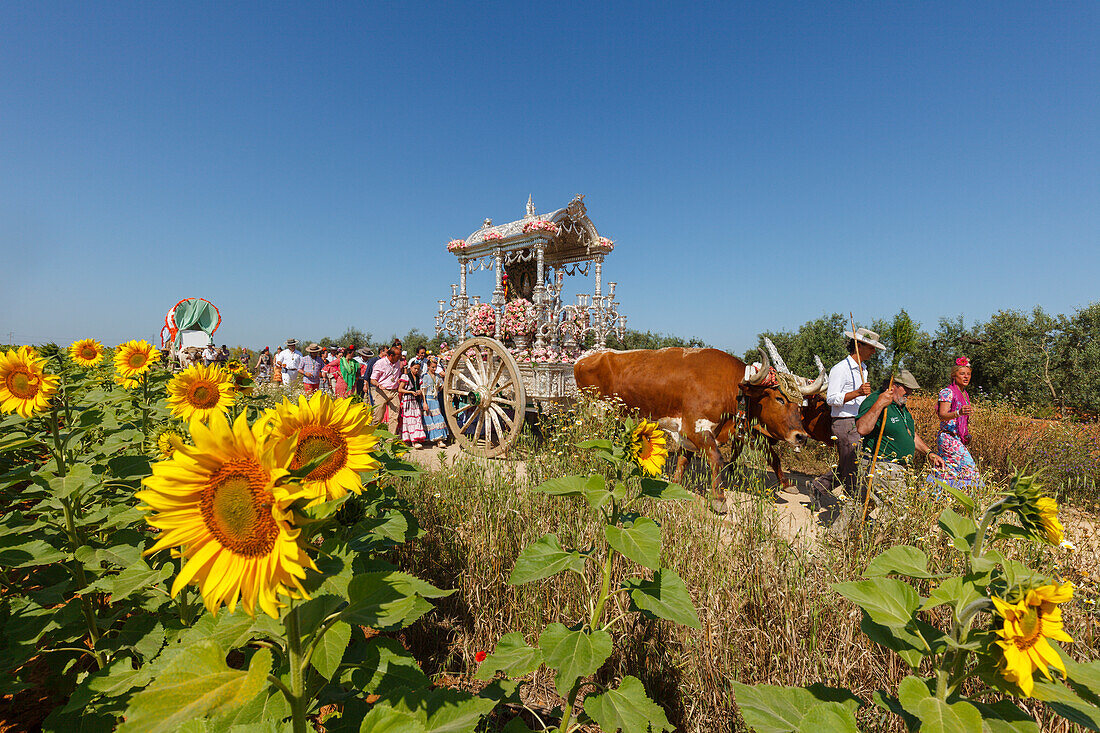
x: 543, y: 558
x: 626, y: 709
x: 384, y: 719
x: 387, y: 666
x: 887, y: 601
x: 937, y: 716
x: 962, y: 530
x: 443, y: 710
x: 134, y: 578
x: 198, y: 683
x: 775, y: 709
x: 828, y: 716
x: 641, y: 542
x: 665, y: 491
x: 899, y: 560
x: 1004, y: 717
x: 1067, y: 703
x: 512, y: 656
x: 387, y: 599
x: 665, y: 597
x: 563, y: 486
x: 330, y: 649
x: 912, y: 691
x: 958, y: 592
x: 573, y: 653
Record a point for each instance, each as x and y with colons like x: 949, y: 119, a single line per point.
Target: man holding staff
x: 847, y: 389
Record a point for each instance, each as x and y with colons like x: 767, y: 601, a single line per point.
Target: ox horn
x: 780, y: 365
x: 817, y: 384
x: 762, y: 373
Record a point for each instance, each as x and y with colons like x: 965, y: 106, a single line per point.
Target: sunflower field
x: 181, y: 553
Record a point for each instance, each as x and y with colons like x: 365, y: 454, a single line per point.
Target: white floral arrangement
x: 540, y: 225
x: 492, y: 236
x: 456, y: 244
x: 605, y: 243
x: 482, y: 320
x: 519, y: 318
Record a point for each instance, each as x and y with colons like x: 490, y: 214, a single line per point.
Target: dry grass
x: 767, y: 610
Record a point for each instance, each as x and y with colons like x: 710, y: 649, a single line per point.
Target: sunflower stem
x: 145, y: 405
x: 983, y: 527
x: 297, y: 695
x: 82, y: 583
x: 58, y: 449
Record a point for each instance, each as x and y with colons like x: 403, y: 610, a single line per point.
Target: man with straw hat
x: 848, y: 388
x: 288, y: 360
x: 310, y: 367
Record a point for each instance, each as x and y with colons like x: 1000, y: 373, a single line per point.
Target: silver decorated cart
x: 517, y: 350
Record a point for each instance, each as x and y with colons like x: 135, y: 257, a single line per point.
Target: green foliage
x: 648, y: 340
x: 577, y: 652
x: 962, y: 658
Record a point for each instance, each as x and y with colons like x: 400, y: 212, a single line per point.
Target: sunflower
x: 220, y: 501
x: 86, y: 352
x: 200, y: 391
x: 1049, y: 525
x: 127, y: 383
x: 162, y: 443
x: 133, y: 358
x: 647, y: 447
x: 24, y: 386
x: 1024, y: 633
x: 323, y: 425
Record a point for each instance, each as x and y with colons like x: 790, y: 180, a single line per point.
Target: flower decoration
x: 456, y: 244
x: 133, y: 358
x: 518, y: 318
x: 200, y: 391
x: 605, y: 243
x: 540, y: 225
x: 491, y: 236
x: 482, y: 319
x: 1024, y: 632
x: 242, y: 378
x: 962, y: 361
x: 25, y: 387
x: 323, y: 425
x: 223, y: 503
x: 86, y: 352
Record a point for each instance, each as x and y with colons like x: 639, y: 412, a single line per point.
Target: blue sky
x: 758, y: 164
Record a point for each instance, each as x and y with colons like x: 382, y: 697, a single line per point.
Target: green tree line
x: 1037, y: 360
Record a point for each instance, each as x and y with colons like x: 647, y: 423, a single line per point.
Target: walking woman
x: 954, y: 411
x: 349, y: 370
x: 412, y: 420
x: 430, y: 382
x: 263, y: 365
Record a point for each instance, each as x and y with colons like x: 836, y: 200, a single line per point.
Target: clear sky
x: 758, y: 164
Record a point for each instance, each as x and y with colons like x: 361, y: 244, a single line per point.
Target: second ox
x: 693, y: 394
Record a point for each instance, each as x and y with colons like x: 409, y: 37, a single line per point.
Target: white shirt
x: 288, y: 359
x: 845, y: 377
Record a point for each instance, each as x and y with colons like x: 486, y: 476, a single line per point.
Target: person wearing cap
x: 288, y: 360
x: 900, y: 441
x: 310, y: 366
x: 363, y: 356
x: 848, y: 388
x: 368, y: 393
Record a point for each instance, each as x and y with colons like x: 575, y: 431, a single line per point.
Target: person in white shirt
x: 209, y: 355
x: 288, y: 360
x: 847, y: 388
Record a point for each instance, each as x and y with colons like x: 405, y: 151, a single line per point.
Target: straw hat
x: 866, y: 336
x: 291, y: 343
x: 313, y: 349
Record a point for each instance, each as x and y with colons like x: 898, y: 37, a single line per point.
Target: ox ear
x: 762, y: 373
x: 817, y: 384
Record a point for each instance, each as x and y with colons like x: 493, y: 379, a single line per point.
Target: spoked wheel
x: 483, y: 397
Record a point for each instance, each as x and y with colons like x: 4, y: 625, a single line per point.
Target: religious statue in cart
x: 517, y: 349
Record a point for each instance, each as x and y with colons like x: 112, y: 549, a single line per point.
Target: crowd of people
x: 405, y: 393
x: 876, y: 426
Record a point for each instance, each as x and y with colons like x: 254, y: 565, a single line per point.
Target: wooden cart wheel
x: 482, y: 389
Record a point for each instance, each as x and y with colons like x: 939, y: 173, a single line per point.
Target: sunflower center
x: 1031, y: 629
x: 21, y: 383
x: 136, y: 360
x: 203, y: 395
x: 236, y: 508
x: 315, y: 441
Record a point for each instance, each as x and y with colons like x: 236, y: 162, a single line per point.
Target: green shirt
x: 898, y: 439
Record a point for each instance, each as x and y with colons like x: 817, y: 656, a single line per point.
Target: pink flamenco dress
x: 412, y: 420
x: 960, y: 469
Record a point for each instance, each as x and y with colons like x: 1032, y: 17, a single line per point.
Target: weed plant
x: 764, y: 599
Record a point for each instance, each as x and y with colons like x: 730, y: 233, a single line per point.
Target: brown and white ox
x: 693, y: 394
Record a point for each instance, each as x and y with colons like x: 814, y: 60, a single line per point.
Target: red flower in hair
x: 480, y: 657
x: 962, y: 361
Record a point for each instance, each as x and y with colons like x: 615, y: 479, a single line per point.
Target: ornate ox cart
x: 517, y: 350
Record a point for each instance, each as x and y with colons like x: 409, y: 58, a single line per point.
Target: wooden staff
x: 874, y: 456
x: 859, y: 362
